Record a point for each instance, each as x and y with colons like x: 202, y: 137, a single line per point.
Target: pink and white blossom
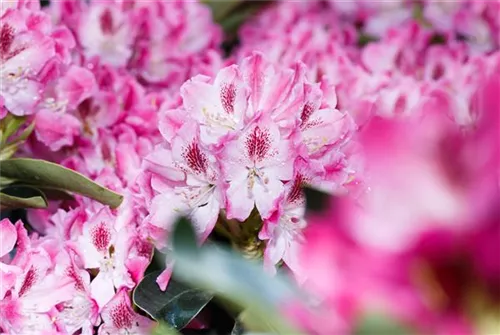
x: 255, y: 165
x: 119, y: 317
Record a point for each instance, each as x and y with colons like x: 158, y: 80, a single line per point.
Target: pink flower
x: 105, y: 32
x: 434, y: 246
x: 232, y: 143
x: 56, y: 126
x: 161, y: 44
x: 119, y: 317
x: 323, y: 128
x: 81, y: 311
x: 177, y: 40
x: 56, y: 130
x: 190, y: 184
x: 220, y: 108
x: 467, y: 18
x: 283, y: 229
x: 25, y: 50
x: 103, y: 247
x: 29, y: 305
x: 255, y: 166
x: 8, y: 273
x: 301, y: 31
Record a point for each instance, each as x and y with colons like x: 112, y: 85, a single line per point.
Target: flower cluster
x: 389, y: 107
x: 160, y: 43
x: 250, y: 137
x: 36, y: 69
x: 388, y: 76
x: 91, y: 77
x: 47, y: 287
x: 432, y: 260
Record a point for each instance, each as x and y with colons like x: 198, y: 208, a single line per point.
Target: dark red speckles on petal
x: 106, y: 22
x: 306, y: 112
x: 228, y: 97
x: 73, y: 274
x: 101, y: 237
x: 29, y: 281
x: 258, y: 144
x: 144, y: 249
x: 296, y: 193
x: 6, y: 39
x: 195, y: 158
x: 122, y: 316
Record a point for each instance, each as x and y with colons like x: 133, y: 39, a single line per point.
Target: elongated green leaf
x: 46, y: 174
x: 240, y: 282
x: 8, y: 151
x: 177, y: 306
x: 26, y: 197
x: 26, y: 133
x: 11, y: 125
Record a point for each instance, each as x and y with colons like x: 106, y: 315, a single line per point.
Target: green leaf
x: 378, y: 324
x: 163, y: 329
x: 46, y: 174
x: 22, y: 197
x: 233, y: 22
x: 10, y: 125
x: 8, y: 151
x: 221, y: 8
x: 177, y: 306
x: 184, y: 236
x: 26, y: 133
x: 243, y: 284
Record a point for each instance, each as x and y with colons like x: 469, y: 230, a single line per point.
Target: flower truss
x: 250, y: 137
x: 389, y: 107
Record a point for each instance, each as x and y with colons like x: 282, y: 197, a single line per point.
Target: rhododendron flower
x: 29, y: 305
x: 283, y: 229
x: 390, y: 106
x: 323, y: 128
x: 420, y: 258
x: 255, y: 165
x: 232, y: 144
x: 470, y: 19
x: 236, y: 113
x: 105, y: 32
x: 55, y: 125
x: 25, y: 49
x: 8, y: 273
x: 118, y: 116
x: 103, y: 247
x: 162, y: 44
x: 81, y: 311
x: 301, y: 31
x: 119, y: 317
x: 194, y: 186
x: 222, y: 107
